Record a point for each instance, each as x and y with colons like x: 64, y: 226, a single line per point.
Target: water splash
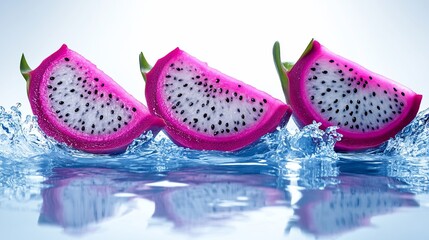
x: 413, y: 140
x: 21, y: 137
x: 306, y: 156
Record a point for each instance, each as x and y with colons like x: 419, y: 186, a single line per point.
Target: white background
x: 236, y: 37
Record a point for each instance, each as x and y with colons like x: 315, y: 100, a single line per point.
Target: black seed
x: 212, y: 126
x: 134, y: 109
x: 350, y: 69
x: 254, y: 109
x: 402, y: 93
x: 373, y: 94
x: 76, y: 110
x: 331, y: 61
x: 242, y: 116
x: 101, y: 117
x: 52, y: 78
x: 325, y: 72
x: 67, y: 59
x: 219, y: 122
x: 313, y: 69
x: 236, y: 129
x: 83, y: 128
x: 61, y: 102
x: 195, y: 120
x: 227, y: 99
x: 354, y: 119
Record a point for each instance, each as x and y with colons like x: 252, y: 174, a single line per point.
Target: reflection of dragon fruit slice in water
x: 79, y: 201
x: 208, y: 201
x: 349, y: 205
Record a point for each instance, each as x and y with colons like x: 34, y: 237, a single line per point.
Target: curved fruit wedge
x: 206, y: 109
x: 327, y: 88
x: 81, y: 106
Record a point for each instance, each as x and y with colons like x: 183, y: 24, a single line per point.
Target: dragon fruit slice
x: 81, y: 106
x: 327, y: 88
x: 207, y: 110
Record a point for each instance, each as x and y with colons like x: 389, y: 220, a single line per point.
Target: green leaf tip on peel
x: 308, y: 48
x: 144, y: 65
x: 282, y: 69
x: 25, y: 70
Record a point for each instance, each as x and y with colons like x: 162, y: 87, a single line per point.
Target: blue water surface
x: 289, y: 185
